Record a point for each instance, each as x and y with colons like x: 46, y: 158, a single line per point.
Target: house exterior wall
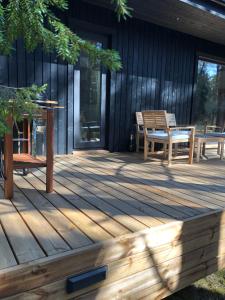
x: 158, y: 73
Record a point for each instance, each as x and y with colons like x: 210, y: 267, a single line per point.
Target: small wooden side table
x: 201, y: 139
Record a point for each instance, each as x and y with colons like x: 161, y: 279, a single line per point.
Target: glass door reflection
x: 209, y: 101
x: 90, y: 91
x: 90, y: 100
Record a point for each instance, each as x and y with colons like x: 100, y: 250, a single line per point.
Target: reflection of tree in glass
x: 221, y: 96
x: 204, y: 95
x: 90, y: 93
x: 210, y: 95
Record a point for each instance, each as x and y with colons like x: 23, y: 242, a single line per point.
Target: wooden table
x: 202, y: 139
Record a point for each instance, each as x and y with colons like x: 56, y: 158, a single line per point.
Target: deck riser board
x: 172, y: 235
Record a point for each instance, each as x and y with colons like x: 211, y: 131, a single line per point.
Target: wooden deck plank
x: 212, y: 167
x: 164, y: 183
x: 60, y: 199
x: 23, y: 243
x: 111, y: 227
x: 216, y: 191
x: 216, y: 181
x: 65, y: 229
x: 99, y: 179
x: 100, y: 184
x: 145, y: 182
x: 197, y: 182
x: 194, y: 183
x: 116, y: 202
x: 181, y: 204
x: 119, y: 221
x: 192, y: 187
x: 50, y: 241
x: 97, y: 215
x: 7, y: 258
x: 200, y: 176
x: 158, y: 205
x: 205, y: 176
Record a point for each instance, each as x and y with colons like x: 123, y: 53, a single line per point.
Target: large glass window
x: 209, y: 102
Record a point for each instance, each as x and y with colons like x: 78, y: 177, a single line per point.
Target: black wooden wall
x: 158, y: 73
x: 24, y: 69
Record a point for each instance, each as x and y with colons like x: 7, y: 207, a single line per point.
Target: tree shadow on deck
x: 150, y: 263
x: 186, y: 184
x: 198, y: 257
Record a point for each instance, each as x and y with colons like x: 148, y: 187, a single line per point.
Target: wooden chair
x: 157, y: 130
x: 139, y: 130
x: 171, y: 119
x: 213, y: 130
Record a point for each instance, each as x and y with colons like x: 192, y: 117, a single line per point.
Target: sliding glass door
x: 209, y: 101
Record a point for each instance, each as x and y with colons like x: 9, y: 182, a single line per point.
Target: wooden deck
x: 157, y: 229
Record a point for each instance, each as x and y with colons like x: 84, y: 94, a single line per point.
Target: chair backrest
x: 213, y: 128
x: 155, y: 119
x: 139, y: 118
x: 171, y: 120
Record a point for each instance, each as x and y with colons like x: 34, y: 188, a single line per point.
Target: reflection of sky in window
x: 210, y: 67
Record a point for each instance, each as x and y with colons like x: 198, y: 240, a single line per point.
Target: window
x: 209, y: 101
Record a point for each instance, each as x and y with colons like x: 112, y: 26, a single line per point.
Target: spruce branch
x: 36, y: 22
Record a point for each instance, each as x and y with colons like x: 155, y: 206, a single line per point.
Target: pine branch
x: 36, y: 23
x: 17, y: 101
x: 122, y: 9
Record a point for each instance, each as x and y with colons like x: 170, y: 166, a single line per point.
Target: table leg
x: 164, y: 150
x: 198, y: 151
x: 221, y: 150
x: 170, y: 152
x: 203, y: 149
x: 175, y: 149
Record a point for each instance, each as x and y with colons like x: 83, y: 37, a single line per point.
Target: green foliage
x: 17, y: 101
x: 37, y: 24
x: 122, y: 9
x: 206, y: 95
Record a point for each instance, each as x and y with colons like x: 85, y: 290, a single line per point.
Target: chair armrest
x: 211, y: 127
x: 182, y: 127
x: 191, y: 128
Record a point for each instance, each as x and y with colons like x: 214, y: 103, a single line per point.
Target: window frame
x: 208, y: 58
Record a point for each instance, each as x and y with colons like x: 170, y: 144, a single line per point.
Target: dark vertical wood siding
x: 158, y: 73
